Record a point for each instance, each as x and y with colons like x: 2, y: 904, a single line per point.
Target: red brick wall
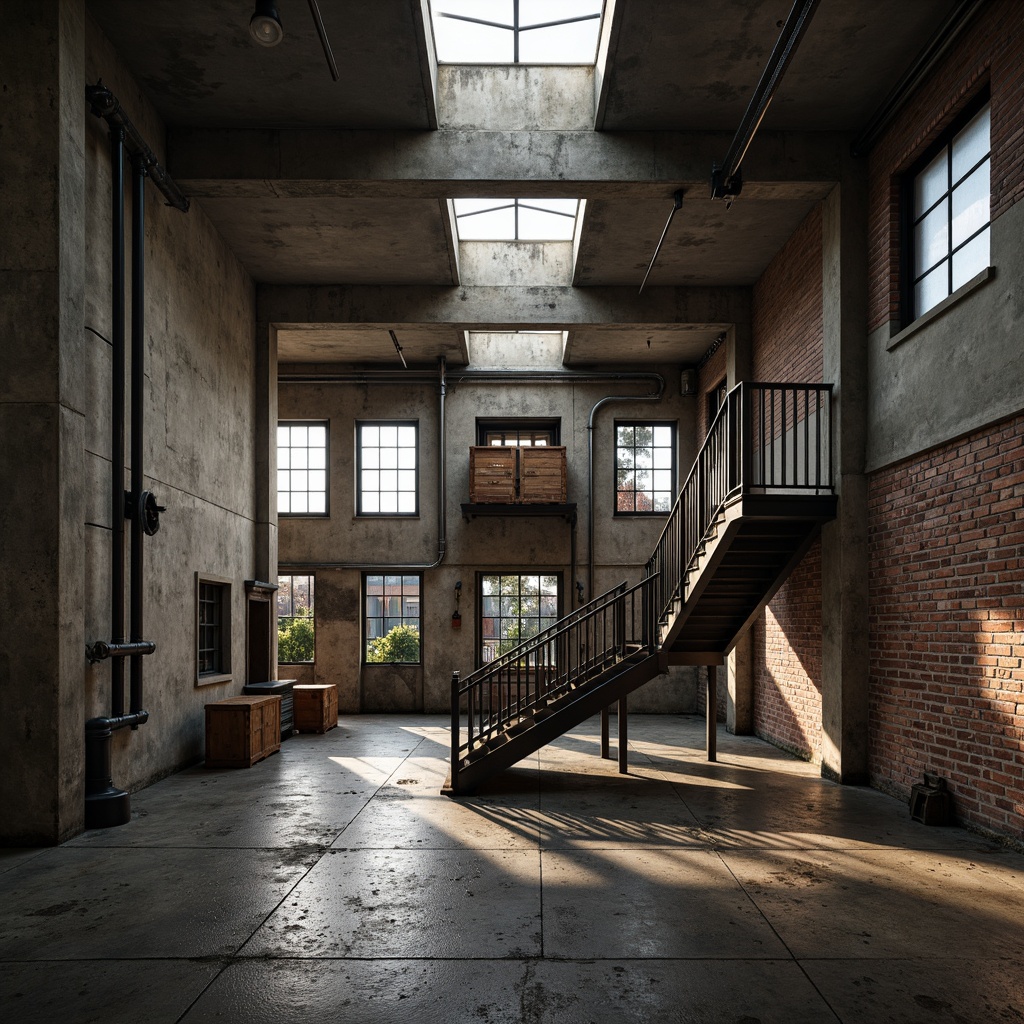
x: 946, y: 549
x: 991, y: 50
x: 787, y: 330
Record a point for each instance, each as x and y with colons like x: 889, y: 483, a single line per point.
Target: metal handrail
x: 767, y: 437
x: 562, y: 657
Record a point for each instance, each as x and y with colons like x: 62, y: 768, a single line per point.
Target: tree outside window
x: 513, y: 608
x: 295, y: 622
x: 391, y: 624
x: 645, y: 468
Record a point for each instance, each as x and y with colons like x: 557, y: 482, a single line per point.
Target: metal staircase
x: 753, y: 503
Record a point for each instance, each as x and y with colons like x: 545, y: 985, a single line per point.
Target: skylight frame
x: 516, y: 205
x: 517, y: 29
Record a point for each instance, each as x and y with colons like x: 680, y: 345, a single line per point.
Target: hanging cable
x: 677, y: 202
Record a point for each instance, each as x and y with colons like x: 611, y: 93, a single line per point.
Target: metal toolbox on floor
x: 242, y: 730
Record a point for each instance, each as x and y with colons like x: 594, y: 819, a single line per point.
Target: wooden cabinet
x: 242, y: 730
x: 316, y: 707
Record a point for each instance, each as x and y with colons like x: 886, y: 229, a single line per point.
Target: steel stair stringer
x: 568, y: 711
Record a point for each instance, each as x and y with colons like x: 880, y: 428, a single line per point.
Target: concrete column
x: 739, y: 708
x: 42, y: 267
x: 739, y: 664
x: 844, y: 573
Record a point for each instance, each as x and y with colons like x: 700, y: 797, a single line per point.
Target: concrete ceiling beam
x: 255, y: 164
x: 501, y: 308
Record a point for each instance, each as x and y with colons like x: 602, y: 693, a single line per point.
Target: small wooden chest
x: 542, y: 475
x: 492, y: 475
x: 316, y: 707
x: 242, y: 730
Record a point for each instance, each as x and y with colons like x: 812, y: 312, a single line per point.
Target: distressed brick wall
x: 787, y: 330
x: 990, y: 51
x: 946, y: 549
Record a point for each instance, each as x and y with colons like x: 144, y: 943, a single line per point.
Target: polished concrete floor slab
x: 333, y: 882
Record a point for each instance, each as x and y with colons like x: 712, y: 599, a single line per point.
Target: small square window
x: 391, y: 618
x: 213, y: 630
x: 302, y: 473
x: 645, y: 468
x: 947, y: 204
x: 387, y: 469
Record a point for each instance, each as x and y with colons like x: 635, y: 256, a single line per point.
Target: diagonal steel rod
x: 677, y: 201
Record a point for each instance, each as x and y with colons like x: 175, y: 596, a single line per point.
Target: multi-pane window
x: 387, y: 469
x: 296, y: 627
x: 517, y: 433
x: 391, y: 620
x: 516, y: 220
x: 645, y: 468
x: 513, y: 608
x: 302, y: 468
x: 213, y: 629
x: 517, y: 31
x: 949, y: 230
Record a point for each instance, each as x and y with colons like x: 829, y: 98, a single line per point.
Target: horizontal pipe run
x: 101, y: 727
x: 101, y: 650
x: 103, y: 103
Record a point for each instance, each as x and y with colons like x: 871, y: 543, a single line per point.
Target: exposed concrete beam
x: 461, y: 163
x: 427, y: 55
x: 500, y: 308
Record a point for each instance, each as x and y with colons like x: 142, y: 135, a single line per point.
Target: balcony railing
x: 766, y: 439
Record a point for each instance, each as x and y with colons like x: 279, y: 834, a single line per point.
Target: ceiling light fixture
x: 265, y: 24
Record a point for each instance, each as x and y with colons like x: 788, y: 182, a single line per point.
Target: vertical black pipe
x: 138, y: 409
x: 117, y: 287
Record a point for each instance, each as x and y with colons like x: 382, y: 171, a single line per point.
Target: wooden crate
x: 316, y: 707
x: 492, y: 475
x: 242, y: 730
x: 542, y: 475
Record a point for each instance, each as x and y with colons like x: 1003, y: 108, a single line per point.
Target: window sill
x: 976, y: 282
x: 213, y: 678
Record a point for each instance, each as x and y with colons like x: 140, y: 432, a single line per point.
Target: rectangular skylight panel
x: 497, y: 225
x: 572, y: 43
x: 543, y: 226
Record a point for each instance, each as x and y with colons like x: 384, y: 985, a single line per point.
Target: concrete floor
x: 332, y: 882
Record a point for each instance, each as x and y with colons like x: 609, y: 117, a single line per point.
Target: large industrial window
x: 517, y: 31
x: 518, y: 433
x: 302, y: 468
x: 645, y: 468
x: 296, y: 626
x: 391, y: 618
x: 387, y: 469
x: 213, y: 630
x: 948, y: 197
x: 513, y: 608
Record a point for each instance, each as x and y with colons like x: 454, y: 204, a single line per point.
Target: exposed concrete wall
x: 481, y: 545
x: 959, y: 372
x: 515, y: 97
x: 54, y: 404
x: 41, y: 420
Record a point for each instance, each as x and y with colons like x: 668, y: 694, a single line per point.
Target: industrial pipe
x: 726, y: 180
x: 138, y: 398
x: 104, y: 104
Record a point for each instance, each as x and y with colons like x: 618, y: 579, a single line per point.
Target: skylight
x: 517, y: 31
x: 516, y: 220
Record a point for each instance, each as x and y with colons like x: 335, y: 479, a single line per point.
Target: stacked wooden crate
x: 492, y: 475
x: 242, y: 730
x: 542, y: 475
x: 517, y: 476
